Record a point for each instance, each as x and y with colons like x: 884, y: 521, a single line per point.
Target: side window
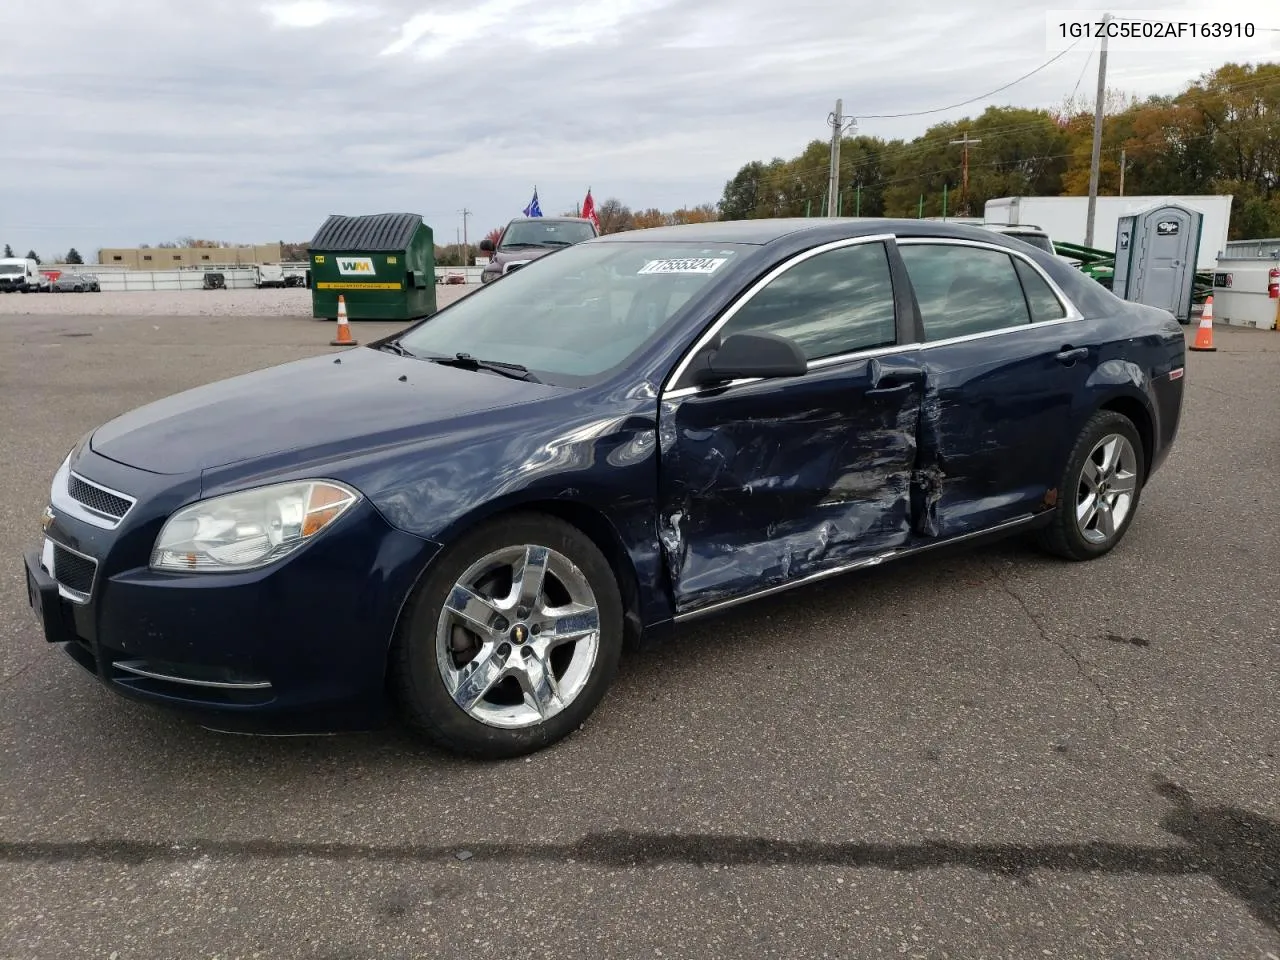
x: 836, y: 302
x: 964, y: 290
x: 1044, y: 303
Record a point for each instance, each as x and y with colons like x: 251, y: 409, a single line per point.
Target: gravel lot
x: 991, y: 754
x: 289, y: 302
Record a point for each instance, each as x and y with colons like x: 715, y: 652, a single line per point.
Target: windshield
x: 12, y: 268
x: 578, y: 312
x: 556, y: 233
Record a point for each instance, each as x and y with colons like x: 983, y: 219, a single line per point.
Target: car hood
x: 520, y: 254
x: 362, y: 398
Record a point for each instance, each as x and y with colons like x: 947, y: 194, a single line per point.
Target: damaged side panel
x: 995, y: 430
x: 769, y: 482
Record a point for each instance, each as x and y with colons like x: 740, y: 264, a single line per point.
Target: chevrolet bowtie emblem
x: 46, y: 521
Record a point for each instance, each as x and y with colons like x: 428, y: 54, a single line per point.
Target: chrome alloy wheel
x: 518, y: 636
x: 1108, y: 482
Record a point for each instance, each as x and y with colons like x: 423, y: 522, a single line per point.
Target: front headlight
x: 249, y: 529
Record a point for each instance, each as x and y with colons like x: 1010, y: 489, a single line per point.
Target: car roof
x: 549, y: 219
x: 819, y: 229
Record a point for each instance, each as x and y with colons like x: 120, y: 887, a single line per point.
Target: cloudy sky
x: 134, y: 121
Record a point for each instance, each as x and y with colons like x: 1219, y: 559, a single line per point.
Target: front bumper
x: 299, y: 646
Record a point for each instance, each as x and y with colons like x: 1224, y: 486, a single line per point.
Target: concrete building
x: 175, y: 258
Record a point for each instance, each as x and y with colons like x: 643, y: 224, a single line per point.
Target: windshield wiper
x: 466, y: 361
x: 398, y: 349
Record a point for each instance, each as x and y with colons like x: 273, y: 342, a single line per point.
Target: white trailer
x: 1065, y: 218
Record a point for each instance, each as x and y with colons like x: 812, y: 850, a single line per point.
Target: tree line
x: 1219, y: 136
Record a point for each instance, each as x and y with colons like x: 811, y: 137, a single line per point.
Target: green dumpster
x: 382, y: 264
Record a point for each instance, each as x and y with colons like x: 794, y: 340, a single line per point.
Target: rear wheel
x: 511, y: 640
x: 1100, y: 489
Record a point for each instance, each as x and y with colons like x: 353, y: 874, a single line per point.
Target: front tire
x: 1100, y: 489
x: 511, y: 640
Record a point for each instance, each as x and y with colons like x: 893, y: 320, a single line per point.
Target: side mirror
x: 746, y: 355
x: 486, y: 245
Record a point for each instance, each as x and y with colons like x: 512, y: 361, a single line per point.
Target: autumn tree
x: 614, y: 216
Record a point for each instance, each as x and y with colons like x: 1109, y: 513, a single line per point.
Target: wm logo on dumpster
x: 356, y: 266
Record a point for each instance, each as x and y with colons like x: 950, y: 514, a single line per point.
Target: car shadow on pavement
x: 1237, y: 848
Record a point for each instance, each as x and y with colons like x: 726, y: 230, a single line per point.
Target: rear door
x: 767, y: 482
x: 1006, y: 356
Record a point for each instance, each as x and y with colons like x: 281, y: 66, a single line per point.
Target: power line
x: 1080, y: 78
x: 965, y: 103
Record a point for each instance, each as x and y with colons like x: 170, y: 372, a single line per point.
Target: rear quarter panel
x: 1140, y: 361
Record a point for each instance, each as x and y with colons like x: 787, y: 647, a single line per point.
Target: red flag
x: 589, y: 209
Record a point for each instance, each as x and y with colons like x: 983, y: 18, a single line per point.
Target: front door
x: 765, y: 483
x: 1004, y: 362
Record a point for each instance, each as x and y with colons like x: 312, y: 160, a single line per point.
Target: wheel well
x: 602, y: 534
x: 1137, y: 414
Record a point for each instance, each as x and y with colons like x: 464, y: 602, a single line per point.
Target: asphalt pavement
x: 990, y: 754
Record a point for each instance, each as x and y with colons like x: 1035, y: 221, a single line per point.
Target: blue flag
x: 533, y: 210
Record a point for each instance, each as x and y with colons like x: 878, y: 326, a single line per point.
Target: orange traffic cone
x: 344, y: 329
x: 1204, y: 336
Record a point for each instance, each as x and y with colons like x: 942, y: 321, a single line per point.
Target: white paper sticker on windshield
x: 685, y: 265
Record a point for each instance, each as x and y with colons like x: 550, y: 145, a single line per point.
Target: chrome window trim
x: 743, y: 299
x: 1073, y: 312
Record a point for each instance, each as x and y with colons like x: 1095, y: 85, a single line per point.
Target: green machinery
x: 1101, y: 266
x: 382, y: 265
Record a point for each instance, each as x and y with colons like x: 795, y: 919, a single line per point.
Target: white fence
x: 236, y: 278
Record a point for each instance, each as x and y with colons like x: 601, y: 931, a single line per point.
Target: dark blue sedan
x: 471, y: 518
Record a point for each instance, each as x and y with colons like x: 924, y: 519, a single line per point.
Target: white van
x: 268, y: 275
x: 21, y: 274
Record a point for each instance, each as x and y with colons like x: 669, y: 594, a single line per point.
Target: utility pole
x: 1097, y: 137
x: 838, y: 123
x: 1122, y: 171
x: 964, y: 175
x: 465, y: 213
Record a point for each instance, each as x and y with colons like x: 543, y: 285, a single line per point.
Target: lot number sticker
x: 686, y: 265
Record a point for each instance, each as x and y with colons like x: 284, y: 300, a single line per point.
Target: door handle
x: 1070, y: 355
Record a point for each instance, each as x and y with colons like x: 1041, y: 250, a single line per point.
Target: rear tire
x: 511, y: 640
x: 1099, y: 491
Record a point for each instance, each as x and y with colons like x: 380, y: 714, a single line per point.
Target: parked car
x: 525, y: 239
x: 476, y: 512
x: 1025, y: 232
x: 76, y: 283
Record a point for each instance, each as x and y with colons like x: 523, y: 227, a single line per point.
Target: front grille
x: 73, y: 571
x: 97, y: 499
